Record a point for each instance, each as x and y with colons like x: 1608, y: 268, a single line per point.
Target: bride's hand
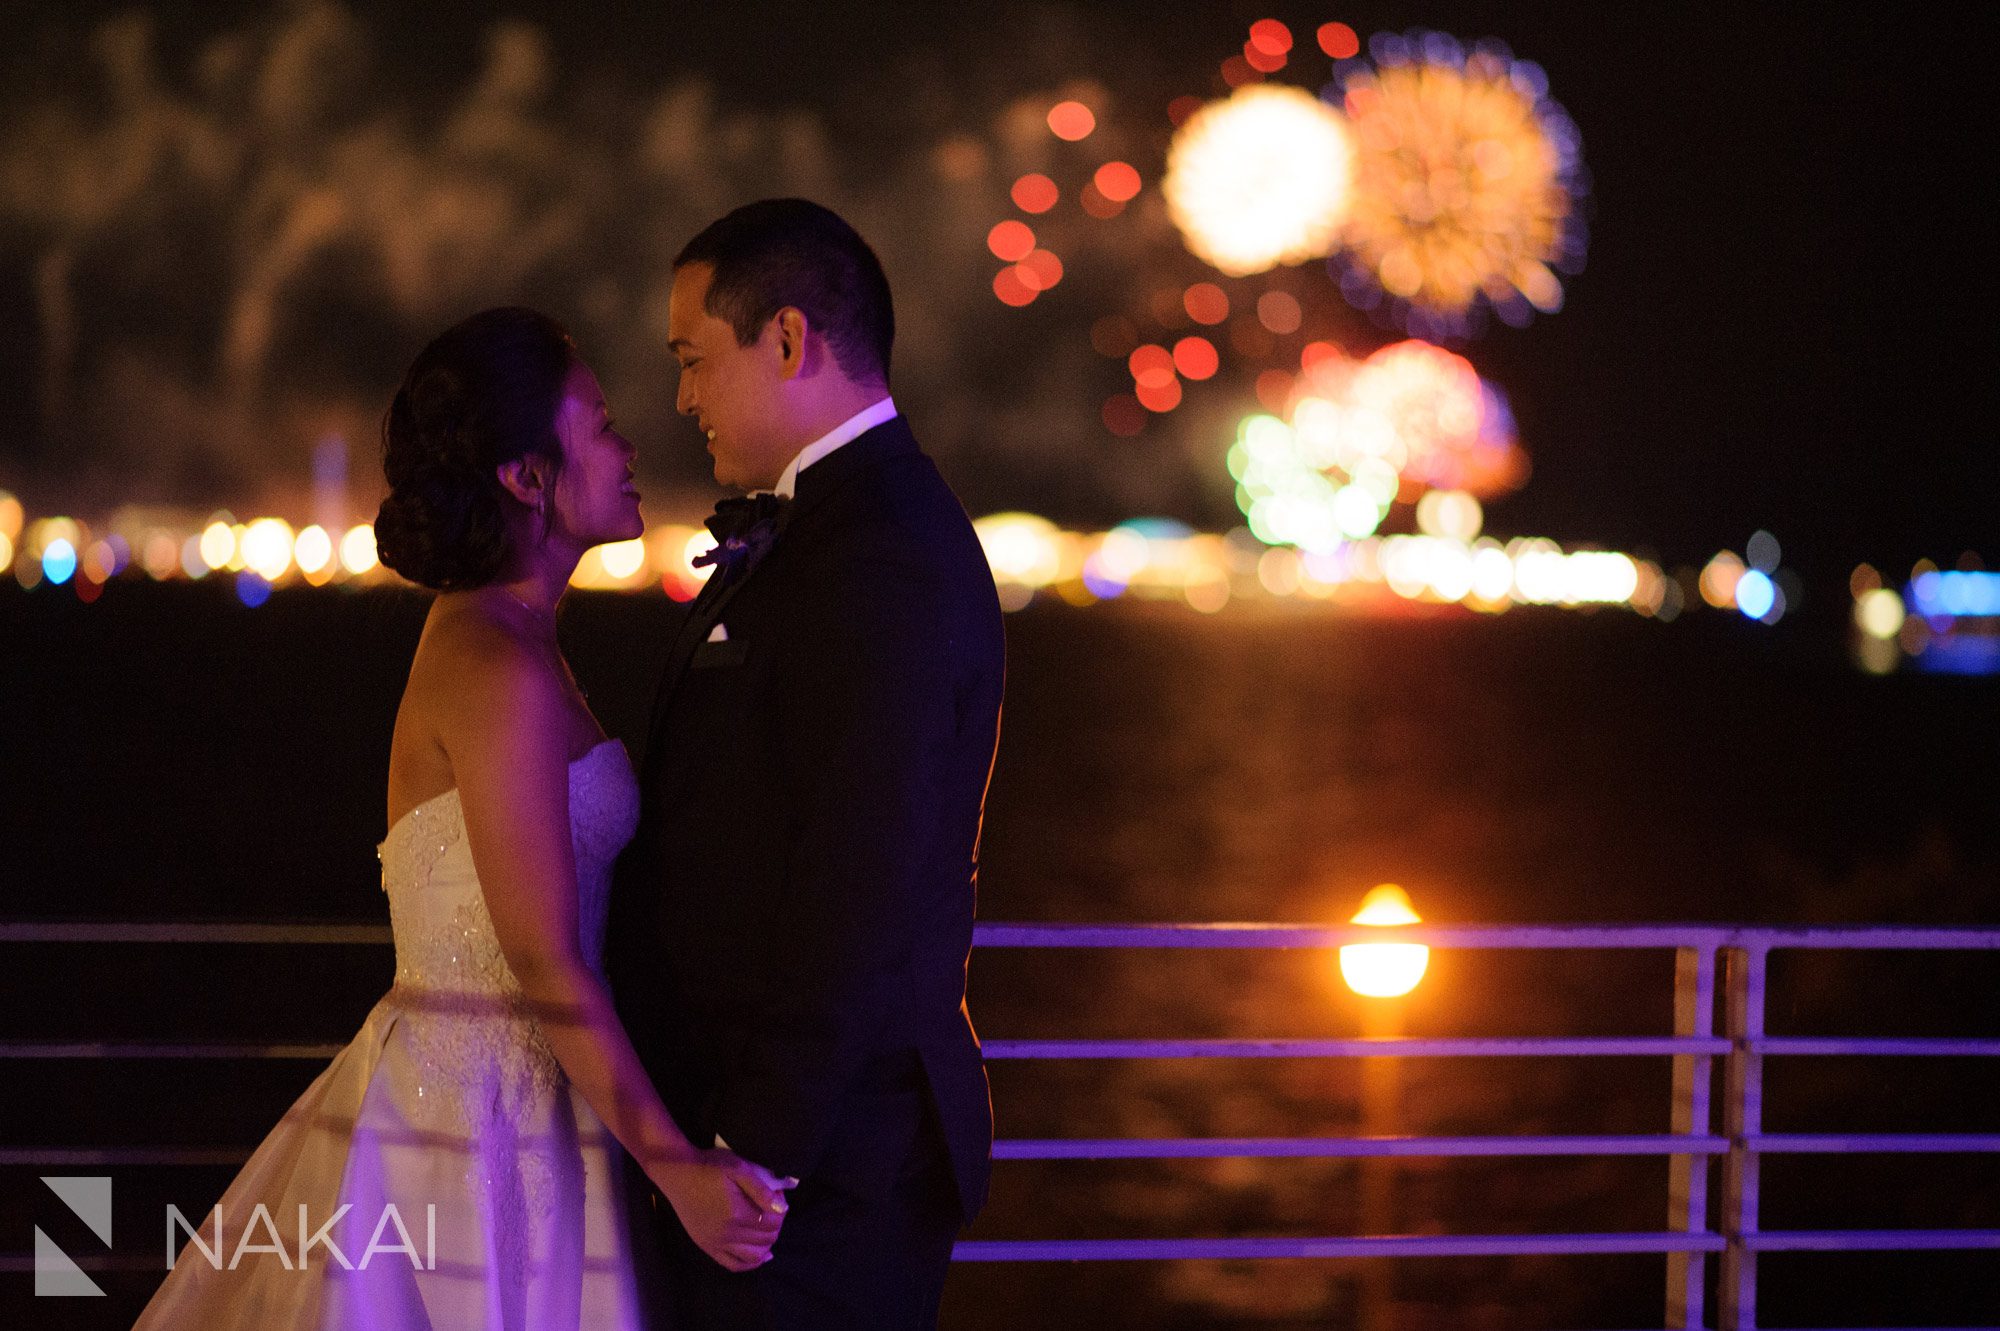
x: 731, y: 1208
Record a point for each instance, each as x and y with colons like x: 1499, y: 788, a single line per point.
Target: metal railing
x: 1726, y: 962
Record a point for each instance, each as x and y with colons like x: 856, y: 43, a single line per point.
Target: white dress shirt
x: 860, y: 423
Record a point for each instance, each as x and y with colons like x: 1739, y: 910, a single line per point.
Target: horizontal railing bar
x: 1912, y: 1047
x: 1826, y: 1143
x: 1203, y: 1148
x: 1522, y: 936
x: 72, y: 1157
x: 1333, y: 935
x: 1354, y: 1047
x: 33, y: 1049
x: 1196, y: 1148
x: 1868, y: 937
x: 1194, y: 935
x: 1457, y: 1245
x: 1871, y: 1240
x: 18, y: 931
x: 1428, y: 1245
x: 1365, y: 1047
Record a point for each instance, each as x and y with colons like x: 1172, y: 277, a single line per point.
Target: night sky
x: 1786, y: 320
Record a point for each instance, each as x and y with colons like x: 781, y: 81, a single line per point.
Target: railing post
x: 1381, y: 1116
x: 1743, y: 1118
x: 1687, y: 1180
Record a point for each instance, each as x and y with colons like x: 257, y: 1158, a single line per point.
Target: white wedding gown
x: 447, y: 1107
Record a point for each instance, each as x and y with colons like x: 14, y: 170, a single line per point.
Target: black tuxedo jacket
x: 792, y: 920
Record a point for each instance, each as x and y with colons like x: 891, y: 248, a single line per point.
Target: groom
x: 793, y: 918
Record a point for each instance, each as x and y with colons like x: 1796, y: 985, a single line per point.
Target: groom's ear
x: 792, y: 330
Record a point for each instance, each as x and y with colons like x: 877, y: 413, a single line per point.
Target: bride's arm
x: 505, y: 732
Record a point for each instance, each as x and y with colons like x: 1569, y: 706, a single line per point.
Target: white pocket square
x: 718, y: 634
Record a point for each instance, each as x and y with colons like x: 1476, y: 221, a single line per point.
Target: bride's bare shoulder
x: 471, y: 660
x: 462, y: 630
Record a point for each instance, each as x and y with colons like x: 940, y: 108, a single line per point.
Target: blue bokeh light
x: 1957, y: 593
x: 1755, y: 594
x: 58, y: 561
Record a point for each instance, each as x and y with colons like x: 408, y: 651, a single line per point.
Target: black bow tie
x: 743, y: 530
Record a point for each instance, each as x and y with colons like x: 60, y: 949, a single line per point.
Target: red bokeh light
x: 1011, y: 240
x: 1116, y: 181
x: 1071, y: 121
x: 1041, y: 270
x: 1338, y: 40
x: 1264, y: 62
x: 1181, y: 108
x: 1270, y: 36
x: 1279, y: 311
x: 1035, y: 193
x: 1151, y: 366
x: 1206, y: 303
x: 1123, y: 415
x: 1236, y: 72
x: 1196, y: 358
x: 1312, y: 353
x: 1159, y: 397
x: 1009, y: 287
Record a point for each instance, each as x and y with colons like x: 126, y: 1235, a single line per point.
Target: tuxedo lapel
x: 891, y: 439
x: 702, y: 616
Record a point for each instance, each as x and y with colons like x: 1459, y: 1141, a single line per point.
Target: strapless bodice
x: 437, y: 913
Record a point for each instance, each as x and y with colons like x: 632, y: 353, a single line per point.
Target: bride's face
x: 595, y: 500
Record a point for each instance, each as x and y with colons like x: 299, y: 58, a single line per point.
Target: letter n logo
x: 56, y: 1273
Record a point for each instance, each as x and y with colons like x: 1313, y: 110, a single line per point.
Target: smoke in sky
x: 224, y: 259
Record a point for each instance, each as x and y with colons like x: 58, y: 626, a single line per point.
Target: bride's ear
x: 527, y: 479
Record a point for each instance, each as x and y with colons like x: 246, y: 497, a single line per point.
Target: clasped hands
x: 731, y: 1208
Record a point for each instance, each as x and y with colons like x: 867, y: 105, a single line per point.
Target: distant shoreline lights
x: 1446, y: 562
x: 1945, y: 621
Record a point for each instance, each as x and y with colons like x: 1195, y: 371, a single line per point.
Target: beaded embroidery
x: 485, y: 1064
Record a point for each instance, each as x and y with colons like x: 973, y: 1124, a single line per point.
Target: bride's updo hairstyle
x: 484, y: 393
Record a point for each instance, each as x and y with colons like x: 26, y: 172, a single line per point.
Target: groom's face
x: 735, y: 393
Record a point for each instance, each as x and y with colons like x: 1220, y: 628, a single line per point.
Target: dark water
x: 170, y: 754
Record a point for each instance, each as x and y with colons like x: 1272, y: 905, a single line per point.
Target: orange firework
x: 1465, y: 184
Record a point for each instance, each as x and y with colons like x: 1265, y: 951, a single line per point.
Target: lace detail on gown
x: 450, y: 1098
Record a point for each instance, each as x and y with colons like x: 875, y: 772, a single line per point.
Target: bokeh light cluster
x: 1442, y: 181
x: 1412, y: 421
x: 1417, y: 407
x: 1752, y: 583
x: 1944, y: 620
x: 1448, y: 179
x: 1446, y: 562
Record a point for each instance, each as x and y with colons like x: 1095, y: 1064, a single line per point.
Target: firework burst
x: 1259, y: 179
x: 1466, y: 187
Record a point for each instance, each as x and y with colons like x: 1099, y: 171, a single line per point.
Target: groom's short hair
x: 778, y: 252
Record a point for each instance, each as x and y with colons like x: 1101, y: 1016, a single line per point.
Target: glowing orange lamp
x: 1384, y: 970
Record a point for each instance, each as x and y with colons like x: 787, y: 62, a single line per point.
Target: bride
x: 452, y: 1168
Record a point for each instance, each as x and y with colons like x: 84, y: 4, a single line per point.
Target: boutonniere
x: 743, y: 530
